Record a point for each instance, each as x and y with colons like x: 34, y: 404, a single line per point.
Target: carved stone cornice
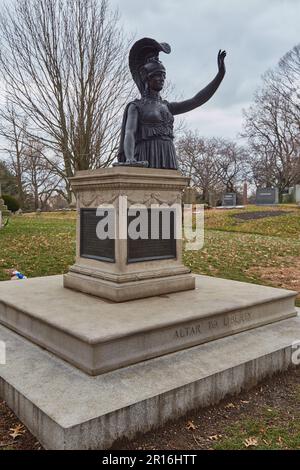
x: 128, y: 178
x: 96, y: 198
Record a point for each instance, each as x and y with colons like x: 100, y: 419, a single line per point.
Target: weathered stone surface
x: 112, y: 269
x: 98, y: 336
x: 67, y: 409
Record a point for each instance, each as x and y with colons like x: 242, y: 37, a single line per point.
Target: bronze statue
x: 147, y: 129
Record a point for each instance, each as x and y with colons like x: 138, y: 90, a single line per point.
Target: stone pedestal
x: 3, y: 208
x: 123, y: 268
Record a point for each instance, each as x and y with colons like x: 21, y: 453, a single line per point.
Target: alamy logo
x: 157, y: 222
x: 2, y: 353
x: 296, y: 353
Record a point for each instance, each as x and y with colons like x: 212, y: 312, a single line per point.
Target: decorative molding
x: 129, y: 277
x: 118, y: 186
x: 96, y: 198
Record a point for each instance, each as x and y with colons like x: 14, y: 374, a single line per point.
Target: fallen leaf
x: 190, y: 426
x: 250, y: 442
x: 17, y: 431
x: 215, y: 437
x: 230, y: 405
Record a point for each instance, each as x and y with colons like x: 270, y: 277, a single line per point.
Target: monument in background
x: 134, y: 339
x: 3, y: 208
x: 229, y: 200
x: 267, y: 196
x: 293, y: 195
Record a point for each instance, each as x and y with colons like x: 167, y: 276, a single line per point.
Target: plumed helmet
x: 144, y: 59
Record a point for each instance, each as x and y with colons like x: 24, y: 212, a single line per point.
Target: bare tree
x: 8, y: 184
x: 232, y: 162
x: 35, y: 177
x: 64, y: 66
x: 285, y: 81
x: 13, y: 129
x: 40, y: 181
x: 272, y: 125
x: 214, y: 164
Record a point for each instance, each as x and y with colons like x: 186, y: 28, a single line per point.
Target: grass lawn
x: 37, y: 246
x: 41, y: 245
x: 264, y: 251
x: 259, y: 250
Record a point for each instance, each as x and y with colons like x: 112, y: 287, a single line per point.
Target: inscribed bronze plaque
x: 157, y: 229
x: 91, y: 246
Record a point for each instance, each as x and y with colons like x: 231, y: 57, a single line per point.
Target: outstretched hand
x: 221, y: 58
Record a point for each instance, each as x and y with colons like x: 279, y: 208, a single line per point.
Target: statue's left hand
x: 221, y: 58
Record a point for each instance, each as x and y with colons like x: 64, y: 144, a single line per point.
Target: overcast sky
x: 255, y: 34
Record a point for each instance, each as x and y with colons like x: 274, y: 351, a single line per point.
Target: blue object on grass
x: 19, y: 275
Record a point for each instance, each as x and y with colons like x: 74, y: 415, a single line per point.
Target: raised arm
x: 203, y: 95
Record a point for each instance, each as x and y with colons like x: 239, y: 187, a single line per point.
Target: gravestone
x: 3, y: 207
x: 294, y: 194
x: 229, y: 200
x: 245, y: 193
x: 267, y: 196
x: 297, y: 193
x: 191, y: 196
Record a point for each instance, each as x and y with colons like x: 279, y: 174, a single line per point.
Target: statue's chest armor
x: 156, y: 113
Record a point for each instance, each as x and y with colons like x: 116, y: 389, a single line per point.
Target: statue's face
x: 156, y: 81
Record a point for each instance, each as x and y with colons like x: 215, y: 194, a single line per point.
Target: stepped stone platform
x: 138, y: 363
x: 98, y: 335
x: 68, y: 409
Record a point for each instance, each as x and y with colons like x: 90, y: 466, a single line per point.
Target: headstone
x: 292, y: 195
x: 190, y: 196
x: 267, y: 196
x: 72, y: 204
x: 297, y: 193
x: 3, y: 207
x: 229, y: 200
x: 1, y: 200
x: 245, y: 193
x: 213, y: 198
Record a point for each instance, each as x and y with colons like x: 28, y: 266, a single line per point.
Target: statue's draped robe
x: 154, y: 135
